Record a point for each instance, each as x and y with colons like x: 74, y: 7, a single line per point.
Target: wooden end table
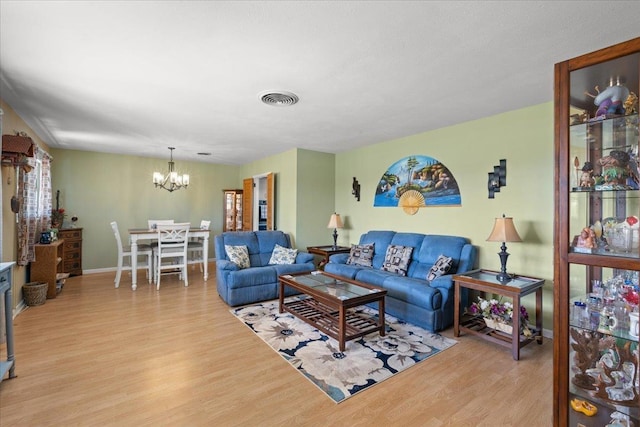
x: 326, y: 252
x: 486, y: 281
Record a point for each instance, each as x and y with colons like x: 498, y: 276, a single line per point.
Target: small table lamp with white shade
x: 335, y: 222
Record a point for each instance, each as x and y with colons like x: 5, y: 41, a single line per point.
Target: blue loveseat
x: 259, y: 282
x: 413, y: 298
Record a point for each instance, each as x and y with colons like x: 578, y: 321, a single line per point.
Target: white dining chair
x: 195, y: 247
x: 170, y: 256
x: 125, y: 252
x: 153, y: 224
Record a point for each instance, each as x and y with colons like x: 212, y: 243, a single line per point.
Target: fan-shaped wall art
x: 415, y: 182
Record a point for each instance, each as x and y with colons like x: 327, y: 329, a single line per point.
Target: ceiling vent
x: 279, y: 99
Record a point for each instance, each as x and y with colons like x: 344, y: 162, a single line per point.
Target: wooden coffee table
x: 328, y: 301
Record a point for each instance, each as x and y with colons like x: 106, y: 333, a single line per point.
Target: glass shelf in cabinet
x: 604, y: 189
x: 617, y: 121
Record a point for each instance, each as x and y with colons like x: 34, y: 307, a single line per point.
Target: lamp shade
x: 335, y: 221
x: 504, y: 231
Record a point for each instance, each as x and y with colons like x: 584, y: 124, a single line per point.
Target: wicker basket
x: 35, y: 293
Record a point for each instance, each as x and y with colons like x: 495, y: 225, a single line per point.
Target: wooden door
x: 247, y: 201
x: 271, y: 201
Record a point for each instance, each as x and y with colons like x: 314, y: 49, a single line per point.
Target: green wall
x: 100, y: 188
x: 470, y: 150
x: 316, y: 198
x: 304, y: 193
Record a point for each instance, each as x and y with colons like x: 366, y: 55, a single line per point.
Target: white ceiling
x: 136, y: 77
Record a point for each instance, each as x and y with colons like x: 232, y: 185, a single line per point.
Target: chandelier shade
x: 172, y: 180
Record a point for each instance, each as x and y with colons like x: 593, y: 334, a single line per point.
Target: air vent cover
x: 279, y: 99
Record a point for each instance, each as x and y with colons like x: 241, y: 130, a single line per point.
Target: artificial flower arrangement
x: 57, y: 217
x: 501, y: 312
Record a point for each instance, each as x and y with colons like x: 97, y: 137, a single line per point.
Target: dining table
x: 136, y: 234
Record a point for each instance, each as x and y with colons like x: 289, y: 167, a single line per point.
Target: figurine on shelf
x: 622, y: 390
x: 618, y: 419
x: 615, y: 167
x: 609, y: 101
x: 587, y: 239
x: 578, y: 118
x: 631, y: 104
x: 586, y: 179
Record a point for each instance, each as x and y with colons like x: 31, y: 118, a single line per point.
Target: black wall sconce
x: 355, y: 188
x: 497, y: 178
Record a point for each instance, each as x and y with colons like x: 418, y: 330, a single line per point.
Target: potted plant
x: 499, y: 315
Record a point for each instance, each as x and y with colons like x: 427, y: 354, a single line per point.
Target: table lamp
x: 335, y: 222
x: 504, y: 231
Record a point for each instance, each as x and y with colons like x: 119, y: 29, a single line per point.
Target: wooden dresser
x: 72, y: 262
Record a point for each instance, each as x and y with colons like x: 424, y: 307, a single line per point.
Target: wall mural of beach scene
x: 417, y: 181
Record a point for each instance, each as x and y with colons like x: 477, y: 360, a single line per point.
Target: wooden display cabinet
x: 596, y: 237
x: 232, y: 210
x: 72, y: 262
x: 48, y: 263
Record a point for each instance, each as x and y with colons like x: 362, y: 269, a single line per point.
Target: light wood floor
x: 100, y: 356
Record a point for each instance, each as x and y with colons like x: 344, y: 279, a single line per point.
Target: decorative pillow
x: 441, y: 266
x: 238, y: 255
x: 397, y: 259
x: 361, y: 255
x: 282, y: 255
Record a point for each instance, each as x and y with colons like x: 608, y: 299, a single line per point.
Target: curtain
x: 34, y: 195
x: 46, y: 194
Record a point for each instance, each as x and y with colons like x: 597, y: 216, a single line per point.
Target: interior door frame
x: 250, y: 214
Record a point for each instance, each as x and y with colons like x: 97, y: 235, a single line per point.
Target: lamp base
x: 503, y: 277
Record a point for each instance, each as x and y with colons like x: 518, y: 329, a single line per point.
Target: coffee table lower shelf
x: 327, y: 320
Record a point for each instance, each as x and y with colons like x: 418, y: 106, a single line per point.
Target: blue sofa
x: 259, y: 282
x: 413, y: 298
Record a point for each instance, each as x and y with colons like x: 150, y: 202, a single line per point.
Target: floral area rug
x: 365, y: 361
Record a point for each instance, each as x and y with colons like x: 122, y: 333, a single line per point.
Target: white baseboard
x: 19, y: 308
x: 109, y: 269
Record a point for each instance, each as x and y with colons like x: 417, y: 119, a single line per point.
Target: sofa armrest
x: 468, y: 258
x: 339, y: 258
x: 444, y: 282
x: 304, y: 257
x: 223, y: 264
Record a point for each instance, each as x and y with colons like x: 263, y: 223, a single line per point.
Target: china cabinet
x: 596, y: 233
x: 232, y: 206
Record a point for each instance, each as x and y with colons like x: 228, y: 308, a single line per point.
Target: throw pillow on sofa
x: 440, y: 267
x: 361, y: 255
x: 238, y: 255
x: 282, y: 255
x: 397, y: 259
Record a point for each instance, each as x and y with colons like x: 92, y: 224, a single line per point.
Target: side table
x: 6, y: 282
x: 326, y: 252
x: 486, y: 281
